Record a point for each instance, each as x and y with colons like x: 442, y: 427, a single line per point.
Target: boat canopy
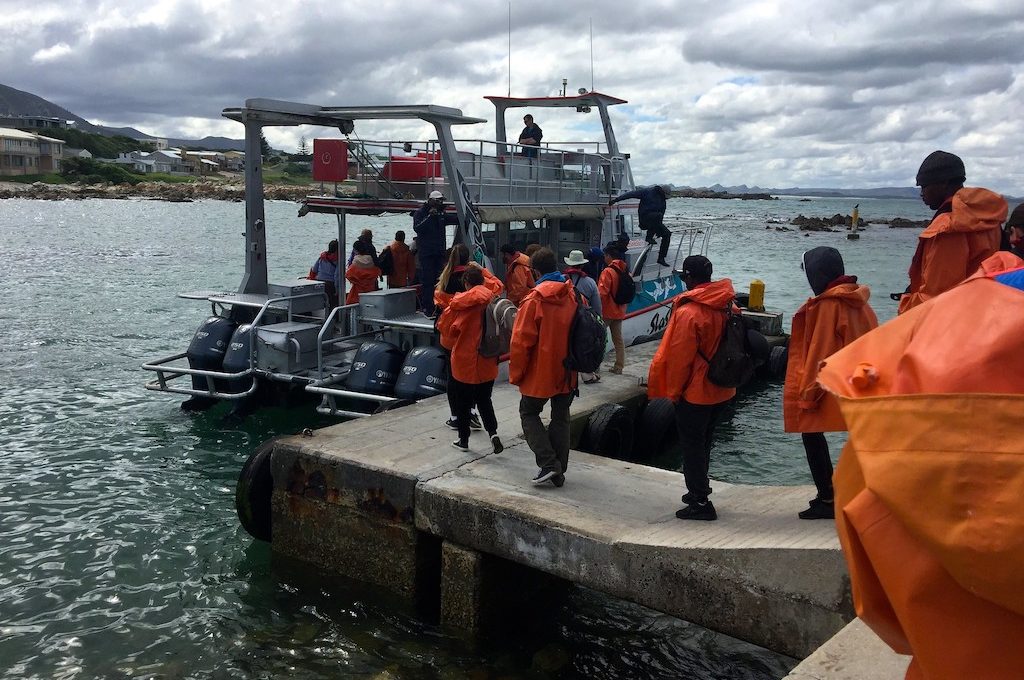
x: 569, y: 101
x: 278, y: 112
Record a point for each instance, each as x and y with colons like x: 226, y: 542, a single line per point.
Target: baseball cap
x: 696, y: 265
x: 436, y: 194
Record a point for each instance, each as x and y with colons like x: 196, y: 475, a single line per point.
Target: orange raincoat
x: 363, y: 280
x: 825, y: 324
x: 519, y: 279
x: 677, y: 370
x: 461, y: 328
x: 954, y: 245
x: 929, y: 486
x: 607, y: 284
x: 540, y: 341
x: 403, y: 267
x: 443, y: 298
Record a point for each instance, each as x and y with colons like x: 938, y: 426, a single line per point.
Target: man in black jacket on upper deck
x: 429, y: 223
x: 652, y: 215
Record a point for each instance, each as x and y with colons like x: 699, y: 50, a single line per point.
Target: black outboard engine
x: 206, y: 352
x: 424, y: 374
x: 375, y: 368
x: 236, y: 360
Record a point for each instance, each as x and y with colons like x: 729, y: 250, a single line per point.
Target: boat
x: 266, y: 340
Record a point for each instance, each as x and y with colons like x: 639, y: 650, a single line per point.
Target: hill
x: 20, y: 103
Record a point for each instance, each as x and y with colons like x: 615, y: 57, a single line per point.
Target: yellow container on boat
x: 756, y: 301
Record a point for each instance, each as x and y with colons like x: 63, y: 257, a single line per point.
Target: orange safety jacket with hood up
x: 461, y: 328
x: 519, y: 279
x: 540, y: 340
x: 363, y: 275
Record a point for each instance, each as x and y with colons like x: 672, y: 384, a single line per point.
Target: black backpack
x: 587, y: 337
x: 386, y: 262
x: 731, y: 365
x: 499, y: 316
x: 626, y: 289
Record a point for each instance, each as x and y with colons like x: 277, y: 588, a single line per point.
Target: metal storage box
x: 387, y: 304
x: 768, y: 323
x: 302, y: 305
x: 286, y: 347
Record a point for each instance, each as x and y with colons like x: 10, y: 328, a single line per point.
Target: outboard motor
x: 375, y: 368
x: 206, y: 352
x: 236, y: 359
x: 424, y: 374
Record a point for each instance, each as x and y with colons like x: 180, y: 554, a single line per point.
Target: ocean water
x: 120, y: 553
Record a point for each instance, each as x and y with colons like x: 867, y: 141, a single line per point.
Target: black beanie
x: 940, y: 167
x: 1016, y: 217
x: 698, y: 267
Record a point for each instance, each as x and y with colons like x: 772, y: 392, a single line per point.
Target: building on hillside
x: 159, y: 143
x: 233, y: 161
x: 203, y: 162
x: 24, y: 153
x: 72, y: 152
x: 34, y: 122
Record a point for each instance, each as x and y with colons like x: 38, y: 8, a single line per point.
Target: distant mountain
x: 19, y: 103
x: 879, y: 192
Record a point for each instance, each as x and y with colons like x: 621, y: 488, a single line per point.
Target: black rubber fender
x: 777, y: 362
x: 656, y: 430
x: 392, y: 405
x: 609, y: 431
x: 253, y: 491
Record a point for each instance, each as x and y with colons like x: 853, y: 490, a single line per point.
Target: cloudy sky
x: 807, y: 93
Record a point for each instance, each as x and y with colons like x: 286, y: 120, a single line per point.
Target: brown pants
x: 615, y: 326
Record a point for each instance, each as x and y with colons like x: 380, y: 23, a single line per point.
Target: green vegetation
x: 280, y: 175
x: 48, y: 178
x: 98, y: 145
x: 88, y: 171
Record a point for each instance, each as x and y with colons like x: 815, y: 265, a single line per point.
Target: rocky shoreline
x: 707, y: 193
x: 164, y: 191
x: 844, y: 222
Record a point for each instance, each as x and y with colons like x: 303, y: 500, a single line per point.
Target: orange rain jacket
x: 953, y: 246
x: 443, y: 298
x: 607, y: 284
x: 461, y: 329
x: 678, y: 371
x: 540, y: 341
x: 519, y: 279
x: 404, y: 265
x: 929, y: 486
x: 363, y: 280
x: 825, y: 324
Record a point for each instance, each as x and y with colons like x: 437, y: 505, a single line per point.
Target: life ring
x: 777, y: 361
x: 656, y: 430
x: 609, y: 431
x: 253, y: 491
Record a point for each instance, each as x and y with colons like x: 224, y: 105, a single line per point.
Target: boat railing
x: 494, y: 172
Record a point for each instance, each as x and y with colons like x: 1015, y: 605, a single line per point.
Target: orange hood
x: 718, y: 294
x: 477, y: 296
x: 974, y: 209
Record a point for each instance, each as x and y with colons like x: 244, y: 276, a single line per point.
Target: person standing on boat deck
x: 325, y: 269
x: 364, y: 246
x: 595, y: 263
x: 363, y: 275
x: 472, y: 376
x: 587, y: 287
x: 536, y: 364
x: 429, y: 222
x: 612, y: 312
x: 403, y: 262
x: 653, y: 200
x: 530, y: 137
x: 518, y: 274
x: 837, y: 315
x: 963, y: 232
x: 679, y: 371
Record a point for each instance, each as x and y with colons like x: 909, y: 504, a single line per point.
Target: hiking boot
x: 663, y: 263
x: 688, y: 498
x: 496, y: 443
x: 474, y: 422
x: 819, y: 509
x: 452, y: 424
x: 703, y: 511
x: 545, y: 475
x: 460, y: 445
x: 558, y: 480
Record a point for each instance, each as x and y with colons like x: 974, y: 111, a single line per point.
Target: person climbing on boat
x: 518, y: 274
x: 611, y: 311
x: 653, y: 201
x: 963, y: 232
x: 530, y: 137
x: 362, y: 274
x: 403, y: 262
x: 679, y: 371
x: 536, y: 365
x: 587, y: 287
x: 325, y: 269
x: 472, y: 375
x: 837, y: 315
x: 429, y: 222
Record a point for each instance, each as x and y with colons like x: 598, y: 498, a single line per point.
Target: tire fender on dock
x: 777, y: 362
x: 656, y: 429
x: 253, y: 491
x: 609, y: 431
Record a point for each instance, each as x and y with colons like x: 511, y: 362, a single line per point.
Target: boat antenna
x: 591, y: 54
x: 509, y: 48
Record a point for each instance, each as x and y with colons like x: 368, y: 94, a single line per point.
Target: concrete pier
x: 387, y: 500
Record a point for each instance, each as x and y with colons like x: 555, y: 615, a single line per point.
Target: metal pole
x: 255, y: 278
x: 339, y: 274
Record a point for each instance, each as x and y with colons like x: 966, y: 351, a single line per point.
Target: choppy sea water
x: 120, y: 554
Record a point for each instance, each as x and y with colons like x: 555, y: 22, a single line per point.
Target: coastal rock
x: 900, y: 223
x: 167, y: 191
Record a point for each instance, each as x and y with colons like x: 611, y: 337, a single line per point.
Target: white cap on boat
x: 436, y: 194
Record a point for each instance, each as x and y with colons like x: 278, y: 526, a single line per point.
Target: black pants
x: 820, y: 462
x: 550, y: 445
x: 430, y: 270
x: 654, y: 226
x: 463, y: 396
x: 696, y: 424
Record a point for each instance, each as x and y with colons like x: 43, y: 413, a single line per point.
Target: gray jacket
x: 588, y: 289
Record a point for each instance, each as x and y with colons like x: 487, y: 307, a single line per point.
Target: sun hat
x: 575, y: 258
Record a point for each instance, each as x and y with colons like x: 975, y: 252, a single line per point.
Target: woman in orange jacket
x: 363, y: 275
x: 837, y: 315
x: 472, y: 376
x: 612, y: 312
x: 929, y: 485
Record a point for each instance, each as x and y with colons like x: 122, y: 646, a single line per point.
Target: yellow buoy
x: 756, y: 302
